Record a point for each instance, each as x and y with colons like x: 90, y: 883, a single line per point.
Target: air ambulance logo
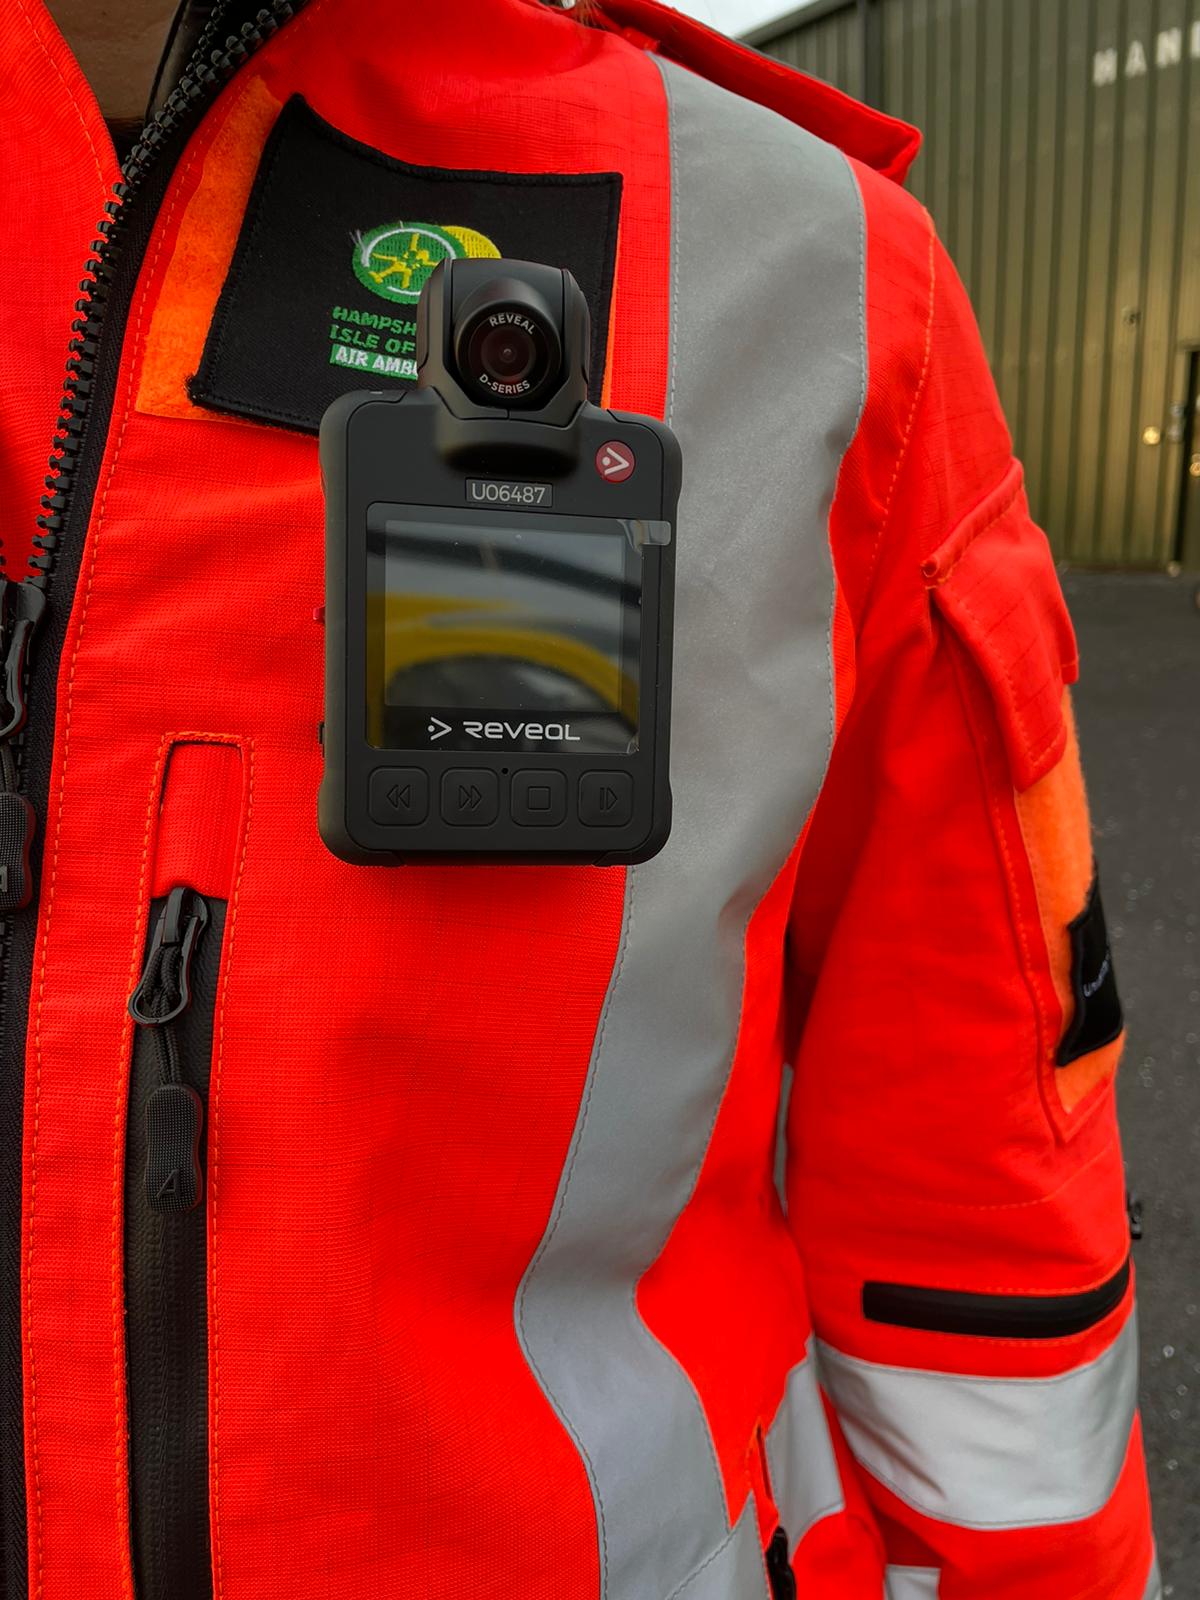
x: 395, y: 261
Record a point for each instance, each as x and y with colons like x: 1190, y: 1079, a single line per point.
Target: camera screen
x: 503, y: 631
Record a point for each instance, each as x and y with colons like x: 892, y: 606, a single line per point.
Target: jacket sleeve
x: 955, y: 1181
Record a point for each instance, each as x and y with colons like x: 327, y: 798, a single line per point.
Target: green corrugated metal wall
x: 1062, y: 164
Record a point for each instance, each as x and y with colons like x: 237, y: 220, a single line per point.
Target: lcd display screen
x: 509, y: 631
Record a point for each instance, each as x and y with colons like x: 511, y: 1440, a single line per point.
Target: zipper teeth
x: 995, y: 1316
x: 197, y: 85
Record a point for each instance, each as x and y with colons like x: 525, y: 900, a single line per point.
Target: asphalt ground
x: 1138, y: 705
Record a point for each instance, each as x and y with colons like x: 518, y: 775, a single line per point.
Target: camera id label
x: 499, y: 492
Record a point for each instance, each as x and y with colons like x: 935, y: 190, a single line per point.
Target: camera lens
x: 505, y: 355
x: 507, y: 346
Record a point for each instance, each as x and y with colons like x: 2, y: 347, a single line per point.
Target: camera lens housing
x: 507, y: 344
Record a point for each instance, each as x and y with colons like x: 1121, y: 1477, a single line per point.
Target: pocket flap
x: 993, y: 580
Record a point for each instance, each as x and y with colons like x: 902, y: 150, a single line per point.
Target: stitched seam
x: 45, y: 940
x: 97, y: 526
x: 126, y: 1573
x: 979, y: 1380
x: 1032, y: 751
x: 639, y: 1324
x: 560, y: 1206
x: 1009, y: 503
x: 118, y: 1275
x: 98, y: 522
x: 531, y: 180
x: 999, y: 833
x: 35, y: 1457
x: 673, y: 353
x: 76, y: 104
x: 938, y: 1513
x: 1055, y: 1032
x: 864, y: 385
x: 706, y: 1563
x: 1035, y: 1292
x: 631, y: 886
x: 181, y: 177
x: 214, y: 1167
x: 906, y: 439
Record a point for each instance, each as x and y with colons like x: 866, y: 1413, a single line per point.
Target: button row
x: 470, y: 798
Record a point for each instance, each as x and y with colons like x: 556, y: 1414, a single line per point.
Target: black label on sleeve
x: 1098, y: 1017
x: 339, y: 239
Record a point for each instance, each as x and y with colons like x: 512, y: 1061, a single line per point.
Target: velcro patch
x: 1098, y: 1018
x: 336, y: 244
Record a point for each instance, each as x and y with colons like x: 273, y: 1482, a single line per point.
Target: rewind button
x: 399, y: 795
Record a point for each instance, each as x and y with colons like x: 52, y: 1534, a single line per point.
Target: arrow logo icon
x: 438, y: 729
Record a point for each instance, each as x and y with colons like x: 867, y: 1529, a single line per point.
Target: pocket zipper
x: 174, y: 1109
x: 779, y: 1567
x: 166, y: 1268
x: 993, y: 1316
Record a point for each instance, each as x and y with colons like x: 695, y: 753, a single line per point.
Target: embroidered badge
x: 338, y: 241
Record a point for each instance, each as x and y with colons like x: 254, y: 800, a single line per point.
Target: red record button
x: 615, y: 461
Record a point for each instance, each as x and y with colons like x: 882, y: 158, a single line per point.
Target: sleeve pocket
x: 994, y: 583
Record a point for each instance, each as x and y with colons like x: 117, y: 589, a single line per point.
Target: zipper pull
x: 779, y: 1567
x: 22, y: 607
x: 18, y: 823
x: 174, y: 1111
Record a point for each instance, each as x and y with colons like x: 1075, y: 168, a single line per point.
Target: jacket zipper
x: 993, y: 1316
x: 34, y: 612
x: 166, y: 1285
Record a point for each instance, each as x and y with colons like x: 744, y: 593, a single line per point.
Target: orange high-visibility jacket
x: 492, y: 1290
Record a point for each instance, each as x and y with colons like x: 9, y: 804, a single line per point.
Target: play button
x: 606, y: 799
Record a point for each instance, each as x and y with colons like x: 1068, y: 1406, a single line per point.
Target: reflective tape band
x: 735, y: 1570
x: 754, y: 614
x: 804, y: 1471
x: 983, y: 1452
x: 911, y: 1583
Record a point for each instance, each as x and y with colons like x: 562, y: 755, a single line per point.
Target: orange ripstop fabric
x: 209, y: 219
x: 401, y: 1066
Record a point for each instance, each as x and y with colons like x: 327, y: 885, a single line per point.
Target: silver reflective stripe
x: 804, y: 1471
x: 1154, y: 1584
x: 911, y: 1583
x: 991, y: 1452
x: 766, y: 390
x: 735, y: 1570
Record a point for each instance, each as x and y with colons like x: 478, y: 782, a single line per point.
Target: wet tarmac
x: 1139, y: 714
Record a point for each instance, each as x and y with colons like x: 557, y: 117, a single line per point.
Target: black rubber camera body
x: 499, y: 592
